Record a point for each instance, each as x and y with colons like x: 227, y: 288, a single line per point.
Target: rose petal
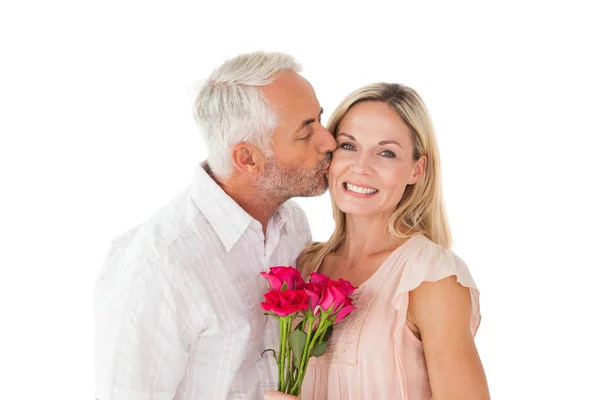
x: 317, y: 278
x: 344, y: 311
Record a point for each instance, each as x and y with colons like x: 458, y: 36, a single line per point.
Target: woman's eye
x: 346, y: 146
x: 387, y: 153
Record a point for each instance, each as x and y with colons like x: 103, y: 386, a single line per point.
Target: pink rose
x: 279, y: 275
x: 335, y: 300
x: 314, y: 292
x: 318, y: 279
x: 286, y: 302
x: 332, y: 297
x: 329, y: 294
x: 344, y: 286
x: 346, y: 309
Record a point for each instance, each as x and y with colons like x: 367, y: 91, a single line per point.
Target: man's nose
x: 327, y: 143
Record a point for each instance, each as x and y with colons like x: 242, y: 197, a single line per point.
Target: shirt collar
x: 225, y: 216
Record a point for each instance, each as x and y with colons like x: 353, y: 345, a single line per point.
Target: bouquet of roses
x: 313, y: 307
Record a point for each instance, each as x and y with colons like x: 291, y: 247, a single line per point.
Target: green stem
x: 284, y: 347
x: 324, y: 331
x: 281, y: 358
x: 308, y: 348
x: 288, y: 357
x: 305, y: 353
x: 290, y: 378
x: 285, y: 356
x: 290, y: 373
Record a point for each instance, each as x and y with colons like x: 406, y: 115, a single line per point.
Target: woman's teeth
x: 358, y: 189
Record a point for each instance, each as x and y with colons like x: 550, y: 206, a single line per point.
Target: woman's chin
x: 356, y: 210
x: 363, y: 210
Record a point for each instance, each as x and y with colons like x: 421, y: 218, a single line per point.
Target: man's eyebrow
x: 309, y: 121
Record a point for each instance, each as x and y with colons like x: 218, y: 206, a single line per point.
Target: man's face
x: 301, y: 145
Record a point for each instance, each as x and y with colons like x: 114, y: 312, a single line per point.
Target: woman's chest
x: 356, y: 273
x: 368, y: 331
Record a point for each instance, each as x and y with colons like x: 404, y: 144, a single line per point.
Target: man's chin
x: 312, y: 188
x: 316, y: 191
x: 311, y: 192
x: 325, y: 185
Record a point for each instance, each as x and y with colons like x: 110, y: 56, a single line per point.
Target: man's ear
x: 418, y: 170
x: 248, y: 159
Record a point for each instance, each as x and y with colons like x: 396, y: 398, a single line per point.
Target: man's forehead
x: 288, y: 96
x: 287, y: 83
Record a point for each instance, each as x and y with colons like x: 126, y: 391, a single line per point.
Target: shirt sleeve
x: 143, y: 329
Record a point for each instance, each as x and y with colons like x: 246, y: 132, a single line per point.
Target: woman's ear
x: 418, y: 170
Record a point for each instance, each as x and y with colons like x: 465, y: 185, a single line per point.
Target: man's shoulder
x: 164, y: 252
x: 164, y: 229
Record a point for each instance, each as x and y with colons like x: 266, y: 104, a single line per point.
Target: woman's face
x: 373, y: 162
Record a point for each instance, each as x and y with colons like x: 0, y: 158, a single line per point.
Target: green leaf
x: 297, y: 341
x: 319, y: 349
x: 284, y: 286
x: 328, y: 333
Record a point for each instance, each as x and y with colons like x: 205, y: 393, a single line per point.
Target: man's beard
x: 279, y: 184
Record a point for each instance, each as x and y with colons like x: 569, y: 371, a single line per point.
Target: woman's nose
x: 362, y: 164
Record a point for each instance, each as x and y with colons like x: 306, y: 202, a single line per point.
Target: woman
x: 412, y: 334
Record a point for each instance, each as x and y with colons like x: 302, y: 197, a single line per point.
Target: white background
x: 97, y: 134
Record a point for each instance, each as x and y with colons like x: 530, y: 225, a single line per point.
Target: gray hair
x: 230, y: 109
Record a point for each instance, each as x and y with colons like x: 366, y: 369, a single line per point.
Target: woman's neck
x: 366, y: 236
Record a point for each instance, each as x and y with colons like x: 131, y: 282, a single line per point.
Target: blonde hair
x: 421, y: 209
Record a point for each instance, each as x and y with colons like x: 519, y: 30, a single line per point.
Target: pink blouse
x: 372, y: 354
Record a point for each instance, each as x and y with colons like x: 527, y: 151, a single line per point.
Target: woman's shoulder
x: 426, y: 261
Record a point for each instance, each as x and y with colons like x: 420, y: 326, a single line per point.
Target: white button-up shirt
x: 177, y: 303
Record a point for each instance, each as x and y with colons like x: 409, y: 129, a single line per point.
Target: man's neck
x: 247, y: 197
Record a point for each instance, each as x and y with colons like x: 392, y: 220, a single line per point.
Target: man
x: 177, y: 304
